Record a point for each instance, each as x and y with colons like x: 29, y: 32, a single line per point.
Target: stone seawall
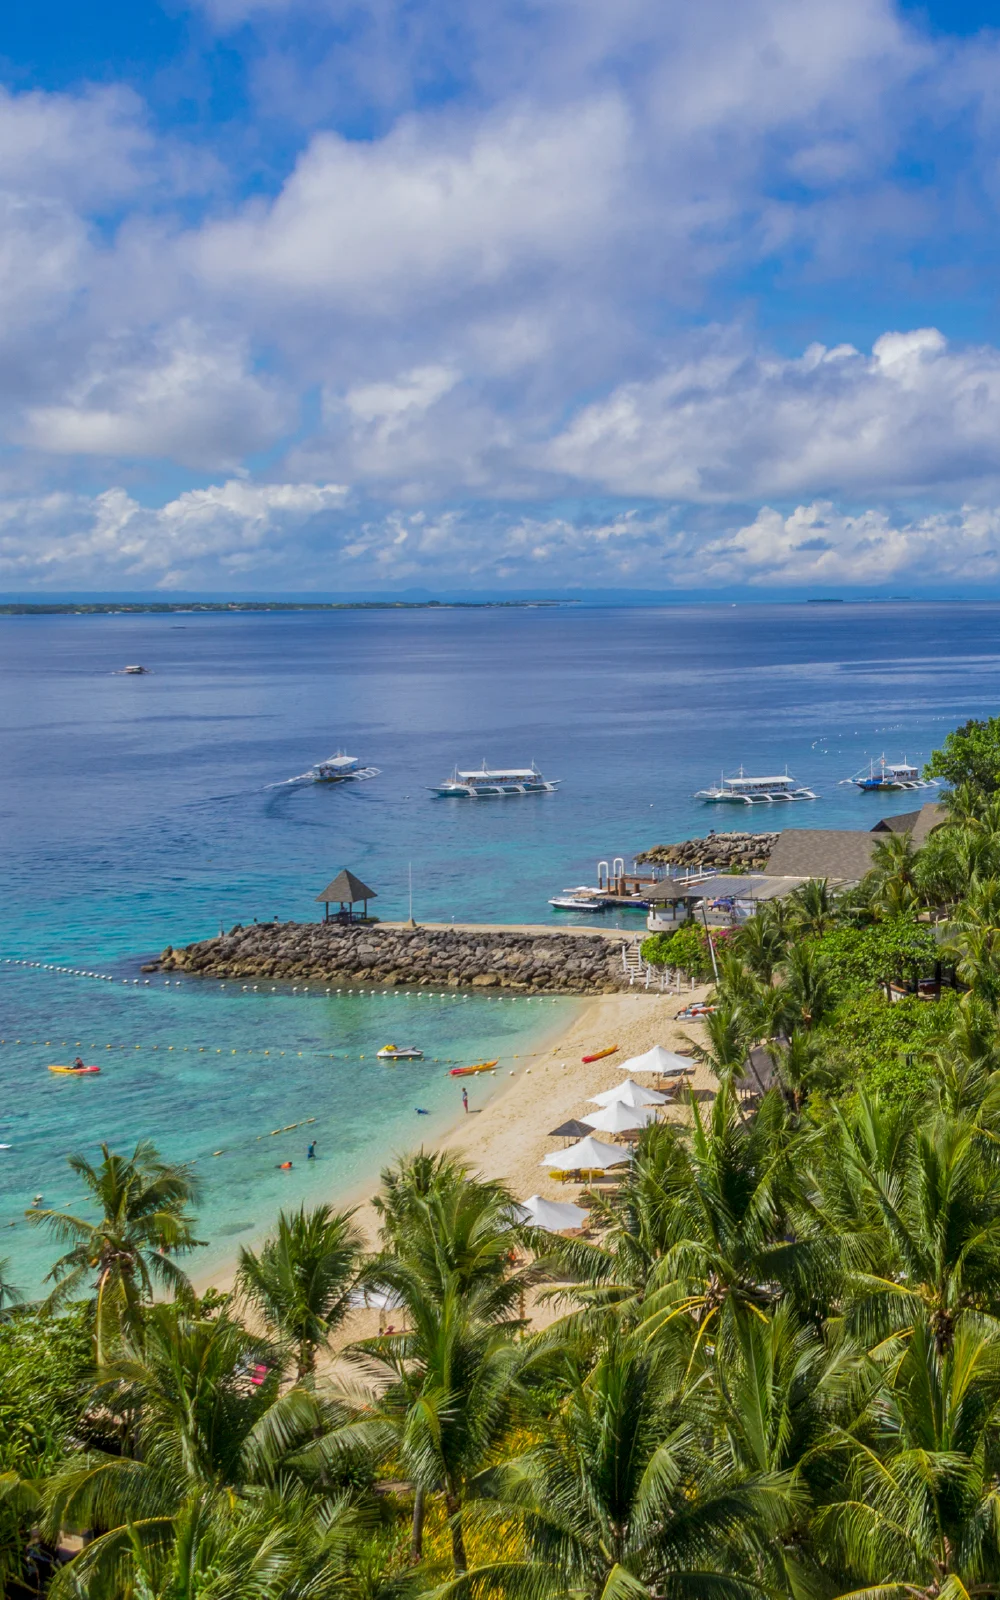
x: 545, y: 963
x: 721, y: 851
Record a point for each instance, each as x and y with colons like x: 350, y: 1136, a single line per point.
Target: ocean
x: 141, y: 811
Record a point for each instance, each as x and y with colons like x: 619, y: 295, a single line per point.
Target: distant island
x: 106, y: 608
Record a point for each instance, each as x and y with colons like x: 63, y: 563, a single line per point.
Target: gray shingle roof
x: 916, y: 823
x: 843, y: 855
x: 346, y: 887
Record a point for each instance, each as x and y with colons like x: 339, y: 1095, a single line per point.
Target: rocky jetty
x: 532, y: 963
x: 722, y: 851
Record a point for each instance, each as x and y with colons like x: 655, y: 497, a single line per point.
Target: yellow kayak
x: 73, y: 1072
x: 467, y: 1072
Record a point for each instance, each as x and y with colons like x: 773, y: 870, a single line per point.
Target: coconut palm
x: 10, y: 1295
x: 763, y: 939
x: 19, y: 1507
x: 925, y: 1240
x: 892, y: 881
x: 806, y: 988
x: 203, y: 1422
x: 302, y: 1278
x: 919, y: 1518
x: 447, y: 1385
x: 617, y: 1497
x: 813, y: 907
x: 142, y: 1224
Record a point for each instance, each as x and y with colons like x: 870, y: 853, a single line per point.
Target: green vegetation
x: 773, y: 1371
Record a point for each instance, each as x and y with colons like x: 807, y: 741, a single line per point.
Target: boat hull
x: 492, y: 791
x: 598, y: 1055
x: 470, y: 1072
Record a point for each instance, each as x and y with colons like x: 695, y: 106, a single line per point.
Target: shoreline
x: 506, y: 1137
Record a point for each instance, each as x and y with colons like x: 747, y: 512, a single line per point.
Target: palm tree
x: 617, y: 1497
x: 143, y: 1222
x: 449, y: 1383
x: 763, y: 939
x: 198, y: 1434
x: 301, y: 1280
x: 19, y: 1507
x: 918, y: 1520
x: 806, y: 989
x: 813, y: 907
x: 974, y: 939
x: 10, y: 1295
x: 892, y: 878
x: 934, y: 1252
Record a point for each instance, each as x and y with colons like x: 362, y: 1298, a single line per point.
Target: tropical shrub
x: 857, y: 960
x: 686, y: 948
x: 45, y: 1364
x: 884, y: 1046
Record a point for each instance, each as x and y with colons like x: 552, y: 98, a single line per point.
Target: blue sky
x: 344, y: 295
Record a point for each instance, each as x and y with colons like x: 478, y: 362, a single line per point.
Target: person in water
x: 284, y: 1166
x: 311, y: 1152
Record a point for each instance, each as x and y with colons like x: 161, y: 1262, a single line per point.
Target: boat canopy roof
x: 743, y: 782
x: 500, y: 772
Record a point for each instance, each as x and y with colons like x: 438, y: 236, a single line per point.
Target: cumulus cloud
x: 220, y: 532
x: 737, y: 423
x: 180, y: 395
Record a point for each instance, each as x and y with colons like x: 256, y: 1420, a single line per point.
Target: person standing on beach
x: 465, y: 1098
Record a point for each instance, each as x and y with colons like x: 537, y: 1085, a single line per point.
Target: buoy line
x: 248, y: 1050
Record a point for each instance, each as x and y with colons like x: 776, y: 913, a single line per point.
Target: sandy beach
x: 507, y: 1129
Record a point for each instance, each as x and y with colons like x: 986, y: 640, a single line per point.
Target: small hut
x: 345, y: 890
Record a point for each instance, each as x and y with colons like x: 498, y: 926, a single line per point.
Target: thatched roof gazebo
x: 345, y: 890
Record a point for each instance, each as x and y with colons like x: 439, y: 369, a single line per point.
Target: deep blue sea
x: 138, y: 811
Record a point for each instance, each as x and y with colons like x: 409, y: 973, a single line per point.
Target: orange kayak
x: 599, y: 1054
x: 467, y: 1072
x: 74, y: 1072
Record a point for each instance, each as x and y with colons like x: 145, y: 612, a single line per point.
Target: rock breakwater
x: 720, y: 850
x: 546, y: 963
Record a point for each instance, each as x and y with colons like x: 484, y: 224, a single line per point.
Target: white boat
x: 134, y: 671
x: 882, y: 775
x: 746, y: 791
x: 339, y: 768
x: 578, y: 900
x: 396, y: 1052
x: 488, y: 783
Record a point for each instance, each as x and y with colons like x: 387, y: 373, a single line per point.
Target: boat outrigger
x: 395, y: 1052
x: 746, y: 791
x: 490, y: 783
x: 882, y: 775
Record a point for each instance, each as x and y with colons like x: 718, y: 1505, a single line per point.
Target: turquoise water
x: 142, y: 811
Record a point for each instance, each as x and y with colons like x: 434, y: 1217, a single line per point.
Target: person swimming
x: 284, y: 1166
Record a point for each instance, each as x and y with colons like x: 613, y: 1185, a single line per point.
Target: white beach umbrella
x: 658, y: 1060
x: 629, y: 1093
x: 552, y: 1215
x: 619, y: 1118
x: 587, y: 1155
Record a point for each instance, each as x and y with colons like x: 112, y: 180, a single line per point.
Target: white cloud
x: 735, y: 423
x: 220, y: 532
x: 182, y: 395
x: 439, y: 207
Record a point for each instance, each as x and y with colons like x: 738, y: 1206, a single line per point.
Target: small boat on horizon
x: 489, y: 783
x: 747, y: 791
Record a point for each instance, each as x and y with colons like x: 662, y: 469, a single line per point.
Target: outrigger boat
x: 395, y: 1052
x: 746, y: 791
x: 340, y: 768
x: 882, y: 775
x: 491, y: 783
x: 478, y: 1066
